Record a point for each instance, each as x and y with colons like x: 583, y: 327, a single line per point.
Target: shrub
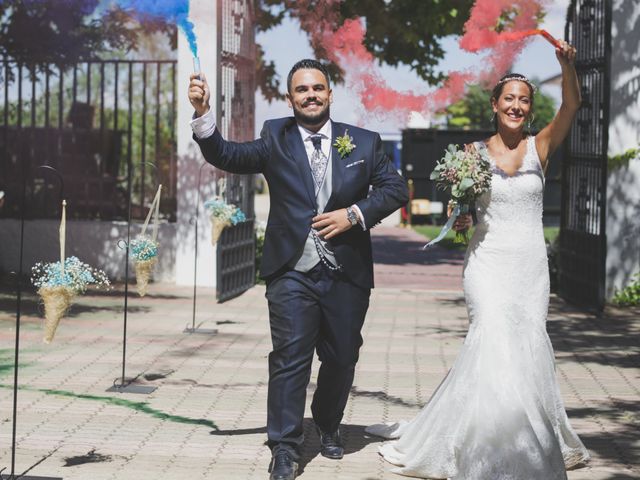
x: 630, y: 295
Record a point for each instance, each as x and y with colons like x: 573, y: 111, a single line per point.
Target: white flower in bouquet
x: 222, y: 215
x: 76, y: 275
x: 58, y: 285
x: 143, y: 248
x: 144, y: 251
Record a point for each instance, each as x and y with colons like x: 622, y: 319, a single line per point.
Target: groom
x: 329, y: 183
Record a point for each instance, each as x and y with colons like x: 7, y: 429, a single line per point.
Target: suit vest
x: 310, y: 256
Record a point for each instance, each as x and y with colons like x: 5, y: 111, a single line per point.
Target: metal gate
x: 235, y: 109
x: 91, y: 121
x: 582, y: 255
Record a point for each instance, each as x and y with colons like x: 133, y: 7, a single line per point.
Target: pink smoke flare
x: 344, y: 45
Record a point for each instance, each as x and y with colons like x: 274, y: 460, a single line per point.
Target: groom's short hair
x: 307, y: 63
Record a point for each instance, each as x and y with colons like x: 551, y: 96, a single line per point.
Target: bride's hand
x: 463, y: 222
x: 566, y: 55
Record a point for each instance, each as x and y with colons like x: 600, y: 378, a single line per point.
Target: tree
x: 474, y: 110
x: 407, y: 32
x: 50, y: 32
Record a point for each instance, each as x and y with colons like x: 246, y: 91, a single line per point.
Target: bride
x: 498, y: 414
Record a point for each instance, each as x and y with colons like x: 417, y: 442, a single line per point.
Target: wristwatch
x: 352, y: 216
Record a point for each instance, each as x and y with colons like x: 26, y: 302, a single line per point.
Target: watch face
x: 352, y: 216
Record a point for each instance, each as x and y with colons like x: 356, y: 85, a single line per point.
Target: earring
x: 493, y: 117
x: 532, y: 117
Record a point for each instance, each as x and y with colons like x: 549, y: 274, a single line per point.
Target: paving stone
x: 206, y: 419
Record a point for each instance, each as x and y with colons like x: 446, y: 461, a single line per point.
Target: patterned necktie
x: 318, y: 161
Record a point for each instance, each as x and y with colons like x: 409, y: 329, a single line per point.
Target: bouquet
x: 144, y: 251
x: 58, y: 283
x: 222, y: 215
x: 144, y: 248
x: 467, y: 174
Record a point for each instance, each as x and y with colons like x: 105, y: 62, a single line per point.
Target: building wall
x: 203, y: 15
x: 93, y: 242
x: 623, y: 187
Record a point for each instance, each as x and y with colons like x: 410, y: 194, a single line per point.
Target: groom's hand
x: 199, y: 93
x: 330, y: 224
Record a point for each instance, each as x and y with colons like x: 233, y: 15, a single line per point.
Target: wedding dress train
x: 498, y: 414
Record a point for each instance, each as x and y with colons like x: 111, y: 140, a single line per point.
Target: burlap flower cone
x: 217, y: 226
x: 56, y: 302
x: 143, y: 274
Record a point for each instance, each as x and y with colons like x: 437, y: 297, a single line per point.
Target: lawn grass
x: 432, y: 231
x: 551, y: 233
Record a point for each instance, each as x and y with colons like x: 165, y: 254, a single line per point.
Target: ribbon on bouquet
x: 457, y: 210
x: 154, y: 210
x: 62, y: 233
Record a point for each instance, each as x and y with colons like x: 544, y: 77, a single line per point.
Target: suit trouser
x: 316, y: 310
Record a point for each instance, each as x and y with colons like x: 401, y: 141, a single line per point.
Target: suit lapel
x: 337, y: 165
x: 299, y: 154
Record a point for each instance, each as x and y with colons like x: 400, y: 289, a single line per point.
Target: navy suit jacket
x: 279, y: 154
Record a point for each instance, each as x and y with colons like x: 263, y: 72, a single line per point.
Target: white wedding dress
x: 498, y: 414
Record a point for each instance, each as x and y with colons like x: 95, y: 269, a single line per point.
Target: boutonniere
x: 344, y: 144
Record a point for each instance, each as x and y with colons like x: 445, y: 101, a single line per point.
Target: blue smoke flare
x: 176, y: 11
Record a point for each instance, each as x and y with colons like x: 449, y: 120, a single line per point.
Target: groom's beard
x: 318, y: 118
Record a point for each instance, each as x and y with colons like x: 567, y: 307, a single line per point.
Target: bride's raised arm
x: 551, y: 136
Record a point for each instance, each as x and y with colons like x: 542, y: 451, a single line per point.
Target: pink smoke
x: 346, y: 48
x: 344, y: 45
x: 480, y: 30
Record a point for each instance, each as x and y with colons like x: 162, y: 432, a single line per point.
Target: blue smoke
x: 174, y: 11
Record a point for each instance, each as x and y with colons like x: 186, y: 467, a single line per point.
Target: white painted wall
x: 93, y: 242
x: 203, y: 15
x: 623, y: 187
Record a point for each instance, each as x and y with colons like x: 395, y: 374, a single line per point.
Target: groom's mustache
x: 311, y: 101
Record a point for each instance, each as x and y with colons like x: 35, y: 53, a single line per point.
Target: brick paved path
x: 401, y: 262
x: 206, y: 420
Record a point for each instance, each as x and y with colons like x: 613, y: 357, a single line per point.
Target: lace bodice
x: 513, y: 206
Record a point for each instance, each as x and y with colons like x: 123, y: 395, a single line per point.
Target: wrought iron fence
x: 582, y: 259
x: 236, y: 77
x: 92, y: 121
x: 235, y: 109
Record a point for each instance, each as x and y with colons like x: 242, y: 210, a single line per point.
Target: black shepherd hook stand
x: 23, y: 204
x: 128, y: 385
x: 194, y: 221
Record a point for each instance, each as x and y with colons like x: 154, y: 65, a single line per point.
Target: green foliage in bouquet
x: 466, y: 174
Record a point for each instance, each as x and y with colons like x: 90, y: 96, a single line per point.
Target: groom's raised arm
x: 389, y: 191
x: 246, y: 157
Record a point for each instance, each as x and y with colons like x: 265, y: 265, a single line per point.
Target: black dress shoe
x: 331, y: 444
x: 282, y: 467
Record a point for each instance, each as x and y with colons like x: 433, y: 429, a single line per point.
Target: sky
x: 537, y: 61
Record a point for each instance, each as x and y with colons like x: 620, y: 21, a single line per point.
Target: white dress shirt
x: 205, y: 125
